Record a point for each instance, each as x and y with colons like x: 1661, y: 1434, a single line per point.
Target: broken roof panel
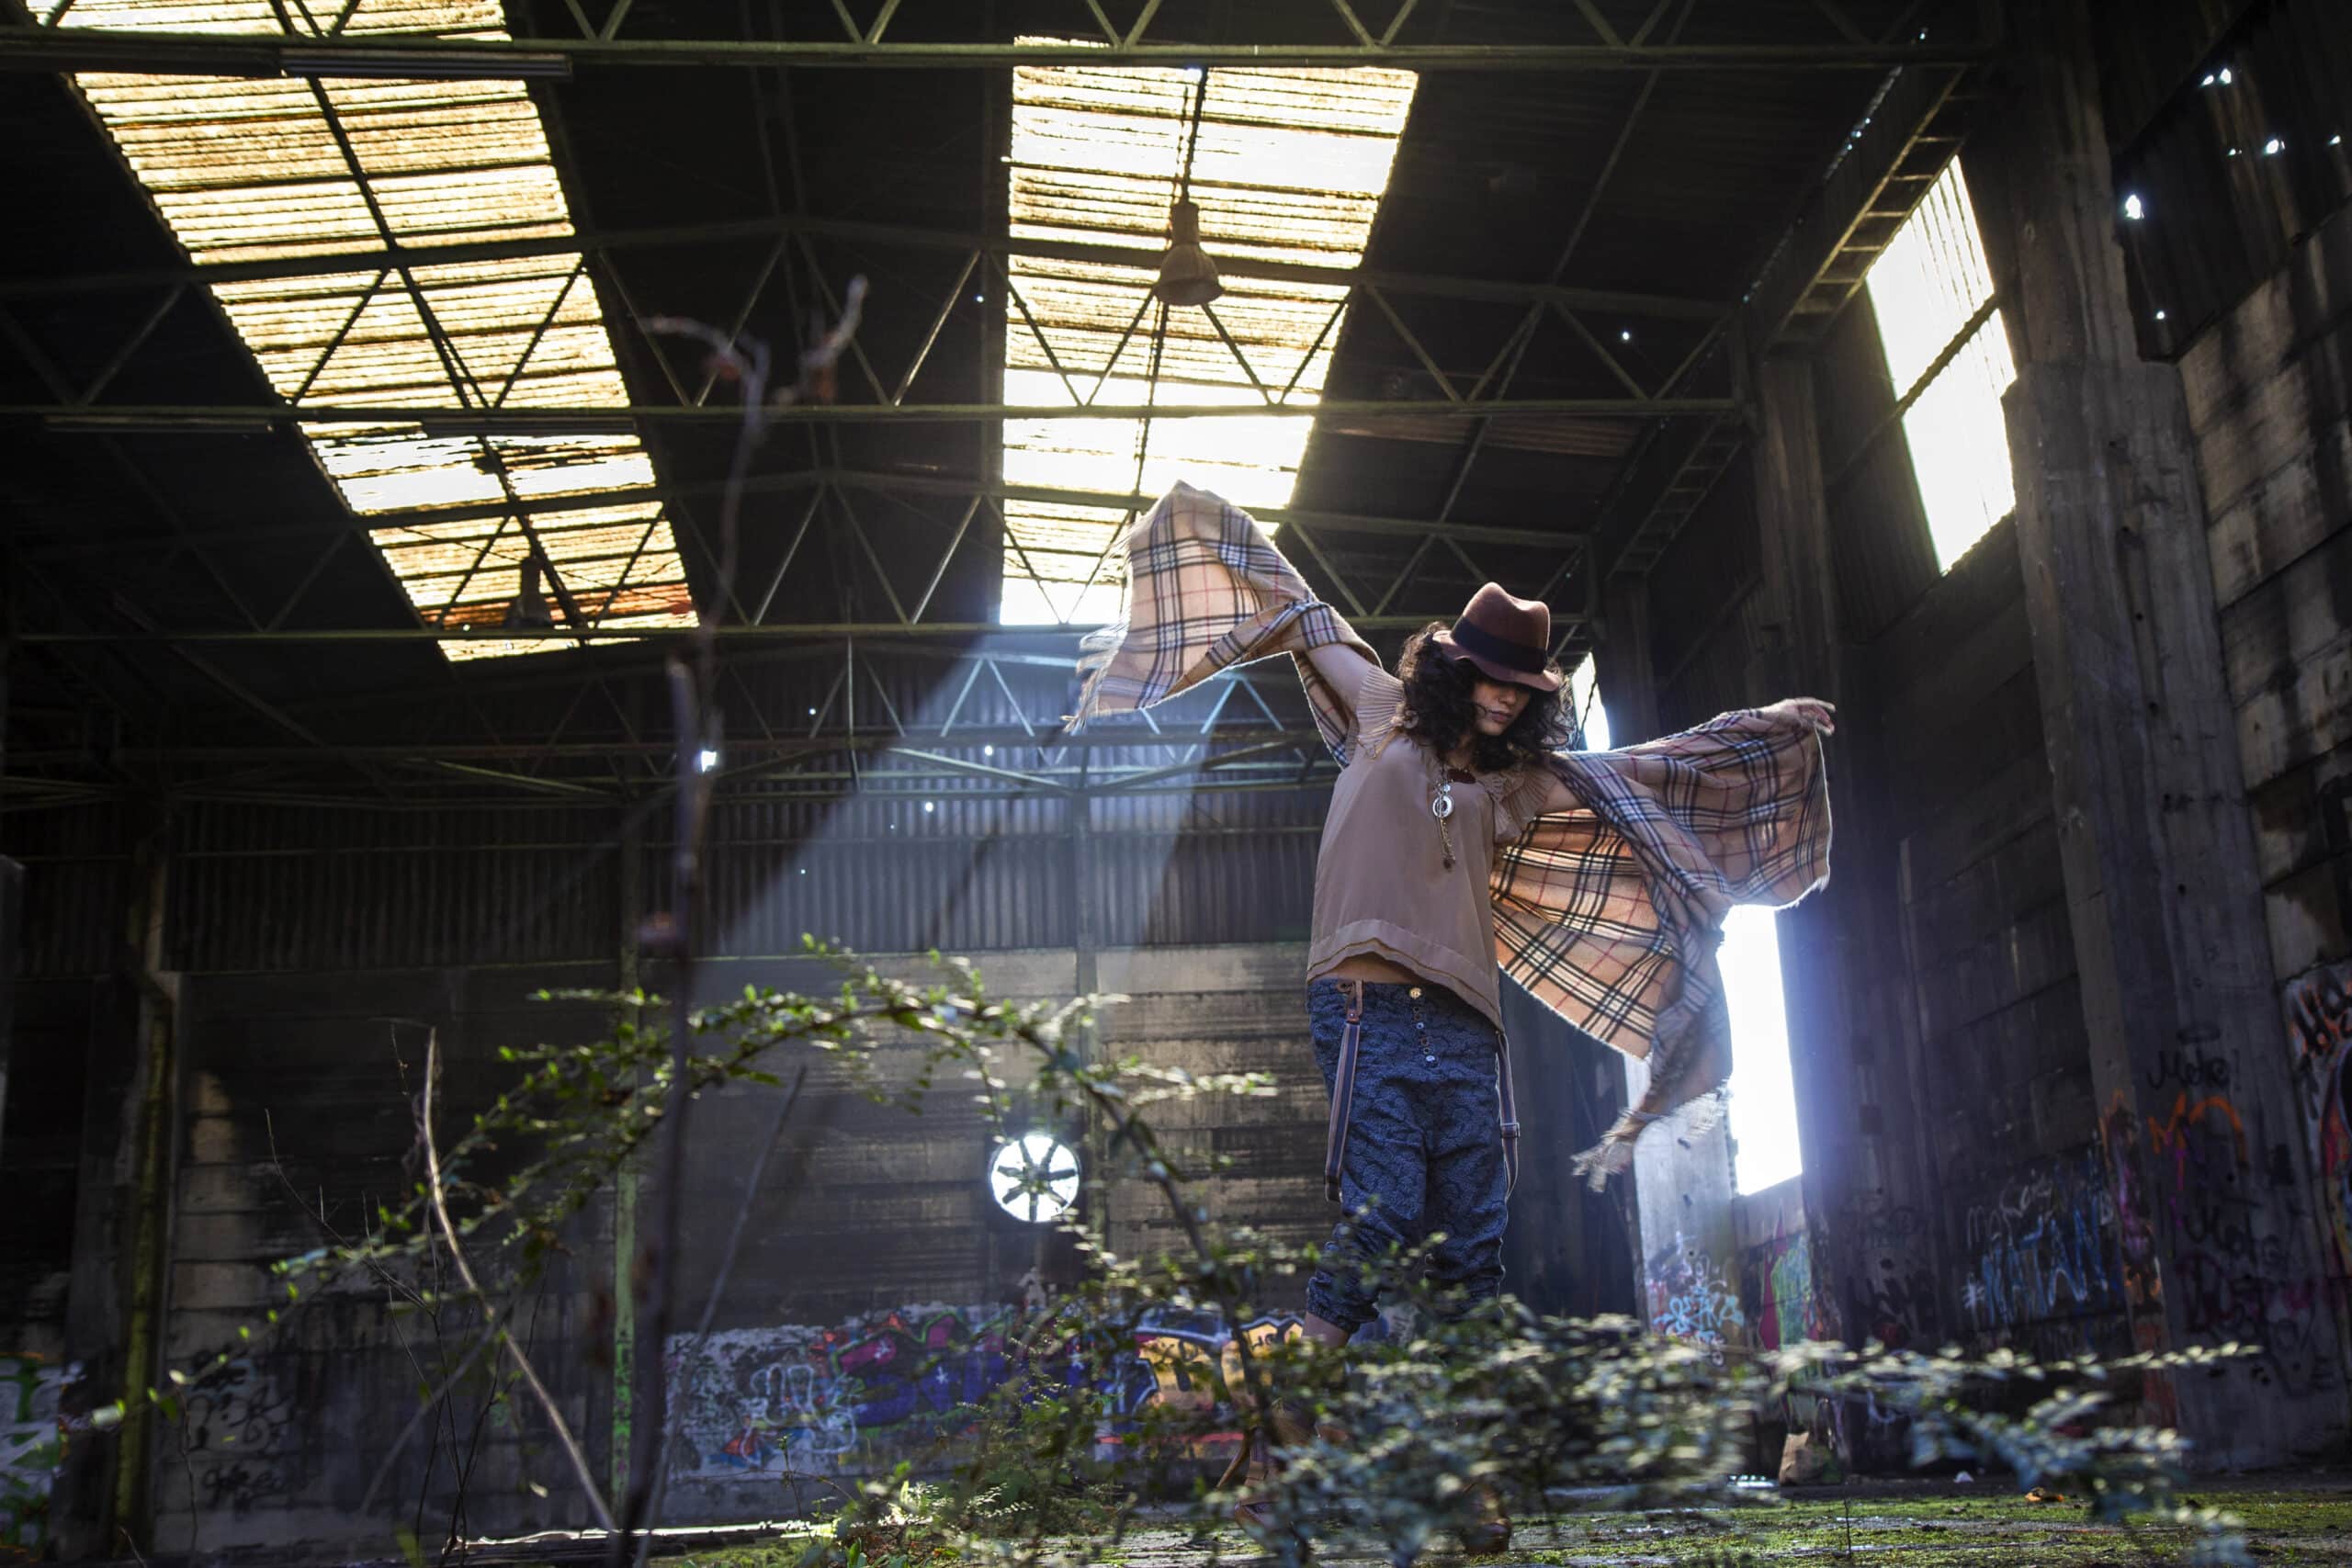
x: 1286, y: 166
x: 253, y: 170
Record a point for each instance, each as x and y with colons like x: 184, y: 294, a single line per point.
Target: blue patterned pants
x: 1424, y: 1148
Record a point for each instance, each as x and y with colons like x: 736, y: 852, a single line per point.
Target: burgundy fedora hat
x: 1509, y: 638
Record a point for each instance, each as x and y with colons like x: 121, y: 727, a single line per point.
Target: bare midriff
x: 1367, y: 967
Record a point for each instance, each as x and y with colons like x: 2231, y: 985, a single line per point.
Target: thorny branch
x: 670, y: 1419
x: 695, y: 717
x: 473, y: 1287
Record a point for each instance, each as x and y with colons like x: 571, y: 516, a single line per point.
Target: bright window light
x: 1584, y: 696
x: 1931, y: 278
x: 706, y: 759
x: 251, y: 169
x: 1763, y: 1093
x: 1289, y: 166
x: 1032, y: 1178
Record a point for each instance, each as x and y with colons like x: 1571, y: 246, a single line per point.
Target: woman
x: 1460, y: 835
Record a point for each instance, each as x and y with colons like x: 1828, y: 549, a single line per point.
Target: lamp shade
x: 1187, y: 277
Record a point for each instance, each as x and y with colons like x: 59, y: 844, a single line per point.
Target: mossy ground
x: 1920, y: 1526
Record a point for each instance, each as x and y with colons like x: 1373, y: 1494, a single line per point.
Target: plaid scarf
x: 1610, y: 913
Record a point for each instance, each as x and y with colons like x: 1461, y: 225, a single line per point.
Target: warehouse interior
x: 1983, y: 367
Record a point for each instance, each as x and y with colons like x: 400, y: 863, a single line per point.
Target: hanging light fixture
x: 527, y: 611
x: 1187, y: 277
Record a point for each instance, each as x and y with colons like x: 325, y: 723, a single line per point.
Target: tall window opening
x: 1763, y: 1089
x: 1947, y: 357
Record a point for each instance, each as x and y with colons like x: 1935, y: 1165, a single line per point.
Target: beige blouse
x: 1381, y: 883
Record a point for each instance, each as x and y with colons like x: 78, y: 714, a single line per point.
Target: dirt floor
x: 2307, y: 1520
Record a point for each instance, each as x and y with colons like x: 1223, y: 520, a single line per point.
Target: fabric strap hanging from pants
x: 1344, y: 1088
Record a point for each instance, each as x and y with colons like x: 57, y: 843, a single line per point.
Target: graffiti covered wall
x: 2043, y: 1247
x: 32, y: 1443
x: 1692, y: 1297
x: 859, y: 1397
x: 2319, y: 1041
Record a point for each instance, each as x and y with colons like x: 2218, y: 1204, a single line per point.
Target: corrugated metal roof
x: 1288, y: 165
x: 247, y: 170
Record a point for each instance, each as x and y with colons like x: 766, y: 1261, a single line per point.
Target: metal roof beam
x: 605, y: 242
x: 398, y: 57
x: 443, y: 418
x: 731, y: 633
x: 546, y: 510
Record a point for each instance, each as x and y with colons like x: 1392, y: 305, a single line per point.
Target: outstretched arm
x: 1343, y: 669
x: 1811, y: 712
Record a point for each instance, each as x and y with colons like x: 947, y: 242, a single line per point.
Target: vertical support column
x: 116, y: 1296
x: 1796, y: 654
x: 2202, y: 1137
x: 1627, y: 670
x: 1857, y: 1119
x: 628, y: 899
x: 151, y: 1236
x: 12, y: 943
x: 1684, y: 1247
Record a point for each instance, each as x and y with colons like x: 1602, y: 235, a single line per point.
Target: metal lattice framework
x: 1683, y: 439
x: 1843, y: 46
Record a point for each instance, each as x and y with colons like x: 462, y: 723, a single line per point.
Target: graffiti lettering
x: 1787, y: 1310
x: 863, y: 1394
x: 236, y: 1421
x: 2044, y: 1247
x: 2319, y: 1028
x: 32, y: 1445
x: 2187, y: 1069
x: 1691, y: 1297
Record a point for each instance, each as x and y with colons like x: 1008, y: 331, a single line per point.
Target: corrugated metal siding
x: 285, y: 888
x: 289, y: 888
x: 77, y: 863
x: 884, y: 874
x: 2221, y: 213
x: 1168, y: 870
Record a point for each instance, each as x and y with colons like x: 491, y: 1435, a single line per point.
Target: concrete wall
x: 2269, y: 392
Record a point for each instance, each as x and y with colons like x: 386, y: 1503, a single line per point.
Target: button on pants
x: 1424, y: 1148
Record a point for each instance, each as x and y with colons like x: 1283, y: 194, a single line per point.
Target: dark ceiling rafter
x: 164, y: 53
x: 1696, y: 435
x: 1813, y: 270
x: 880, y: 235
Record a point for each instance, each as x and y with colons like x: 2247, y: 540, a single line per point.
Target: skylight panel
x: 1926, y: 287
x: 1287, y: 165
x: 254, y: 170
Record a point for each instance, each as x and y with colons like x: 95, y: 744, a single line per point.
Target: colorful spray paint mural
x: 1787, y: 1311
x: 2319, y: 1034
x: 1692, y: 1297
x: 861, y: 1395
x: 2044, y: 1247
x: 32, y: 1443
x: 2188, y: 1170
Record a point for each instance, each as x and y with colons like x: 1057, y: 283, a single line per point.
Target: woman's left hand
x: 1809, y: 711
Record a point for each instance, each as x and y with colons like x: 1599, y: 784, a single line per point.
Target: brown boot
x: 1256, y: 1467
x: 1489, y: 1527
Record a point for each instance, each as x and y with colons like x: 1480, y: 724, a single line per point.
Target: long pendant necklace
x: 1442, y: 808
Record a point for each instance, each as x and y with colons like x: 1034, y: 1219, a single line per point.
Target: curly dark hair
x: 1439, y: 710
